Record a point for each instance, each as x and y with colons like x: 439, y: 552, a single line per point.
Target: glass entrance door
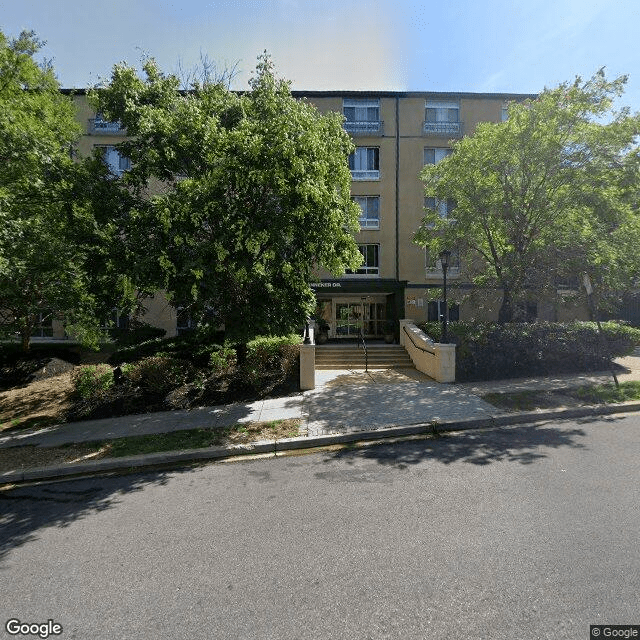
x: 353, y: 317
x: 348, y: 319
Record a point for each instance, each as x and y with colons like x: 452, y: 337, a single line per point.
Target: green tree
x: 56, y: 226
x: 543, y: 197
x: 238, y: 196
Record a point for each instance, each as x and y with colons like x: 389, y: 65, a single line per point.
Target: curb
x: 137, y: 463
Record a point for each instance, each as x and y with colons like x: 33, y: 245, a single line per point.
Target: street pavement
x: 528, y: 532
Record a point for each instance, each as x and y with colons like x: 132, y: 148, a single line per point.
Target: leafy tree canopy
x: 545, y: 196
x: 48, y: 232
x: 238, y: 196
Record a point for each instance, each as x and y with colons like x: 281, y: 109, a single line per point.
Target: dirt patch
x: 40, y: 403
x: 18, y: 458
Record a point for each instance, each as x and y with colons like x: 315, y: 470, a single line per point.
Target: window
x: 370, y: 216
x: 361, y: 115
x: 444, y: 207
x: 371, y: 265
x: 186, y: 322
x: 525, y: 311
x: 435, y: 311
x: 434, y: 266
x: 504, y: 112
x: 433, y: 156
x: 117, y: 320
x: 364, y: 163
x: 116, y: 162
x: 43, y: 327
x: 442, y: 118
x: 98, y: 125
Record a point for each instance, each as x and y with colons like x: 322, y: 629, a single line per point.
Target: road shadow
x: 27, y: 510
x: 523, y: 444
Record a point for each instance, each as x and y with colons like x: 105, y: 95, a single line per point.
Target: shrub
x: 222, y: 359
x: 488, y: 351
x: 159, y: 373
x: 273, y: 353
x: 92, y: 381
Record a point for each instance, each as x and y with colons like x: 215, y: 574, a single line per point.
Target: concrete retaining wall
x: 435, y: 359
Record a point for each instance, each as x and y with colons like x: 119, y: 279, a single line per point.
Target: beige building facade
x: 396, y: 134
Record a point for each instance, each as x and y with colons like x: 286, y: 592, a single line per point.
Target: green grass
x: 199, y: 438
x: 158, y: 442
x: 609, y: 393
x: 588, y: 394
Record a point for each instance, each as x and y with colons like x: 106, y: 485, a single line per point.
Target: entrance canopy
x: 350, y: 307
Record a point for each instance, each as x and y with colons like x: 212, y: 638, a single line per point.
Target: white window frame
x: 362, y: 163
x: 116, y: 162
x: 43, y: 327
x: 116, y: 320
x: 367, y: 220
x: 100, y: 125
x: 439, y: 153
x: 365, y: 116
x: 443, y: 207
x: 439, y: 117
x: 368, y: 269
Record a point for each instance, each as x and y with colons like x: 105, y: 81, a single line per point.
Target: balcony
x: 369, y: 223
x: 365, y: 174
x: 362, y: 127
x: 98, y: 126
x: 449, y: 129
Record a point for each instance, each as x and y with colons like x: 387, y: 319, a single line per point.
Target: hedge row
x: 489, y: 351
x: 159, y: 366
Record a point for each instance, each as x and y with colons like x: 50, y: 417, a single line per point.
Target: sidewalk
x: 344, y: 403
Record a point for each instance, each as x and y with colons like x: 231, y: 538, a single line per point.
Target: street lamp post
x: 444, y: 262
x: 586, y: 281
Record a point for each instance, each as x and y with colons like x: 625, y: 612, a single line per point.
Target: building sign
x: 325, y: 285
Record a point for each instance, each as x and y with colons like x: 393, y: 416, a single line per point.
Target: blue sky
x: 515, y: 46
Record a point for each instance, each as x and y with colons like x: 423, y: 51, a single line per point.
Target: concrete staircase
x: 350, y: 356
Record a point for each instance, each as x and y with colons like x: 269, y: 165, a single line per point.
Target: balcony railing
x: 102, y: 127
x: 369, y: 223
x: 452, y: 129
x: 365, y: 174
x: 361, y: 127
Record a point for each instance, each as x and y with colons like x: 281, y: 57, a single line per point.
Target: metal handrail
x: 404, y: 328
x: 366, y: 356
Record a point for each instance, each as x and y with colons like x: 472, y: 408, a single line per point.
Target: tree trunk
x: 506, y: 309
x: 241, y: 353
x: 26, y: 340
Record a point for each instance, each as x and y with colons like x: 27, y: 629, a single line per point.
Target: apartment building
x: 396, y: 134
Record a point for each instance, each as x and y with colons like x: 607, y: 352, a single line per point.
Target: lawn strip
x: 570, y: 396
x: 15, y: 458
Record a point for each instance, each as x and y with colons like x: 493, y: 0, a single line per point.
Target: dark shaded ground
x: 35, y: 392
x: 18, y: 368
x: 127, y: 399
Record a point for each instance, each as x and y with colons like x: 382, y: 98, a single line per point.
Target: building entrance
x: 351, y: 317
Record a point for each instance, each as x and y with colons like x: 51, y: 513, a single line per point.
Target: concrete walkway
x: 342, y: 401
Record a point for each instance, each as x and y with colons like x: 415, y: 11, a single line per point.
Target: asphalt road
x: 523, y: 533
